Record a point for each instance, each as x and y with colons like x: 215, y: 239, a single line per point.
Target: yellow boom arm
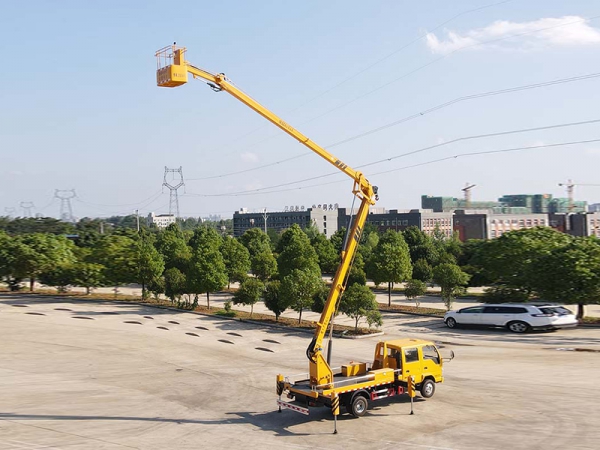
x: 172, y: 71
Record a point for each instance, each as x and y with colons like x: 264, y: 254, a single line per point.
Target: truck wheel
x: 427, y: 388
x: 518, y: 327
x: 359, y: 406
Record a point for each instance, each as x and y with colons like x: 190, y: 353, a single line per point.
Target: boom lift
x: 395, y: 362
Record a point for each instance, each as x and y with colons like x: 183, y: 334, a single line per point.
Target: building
x: 425, y: 220
x: 594, y: 207
x: 324, y: 217
x: 585, y: 224
x: 446, y: 204
x: 161, y: 220
x: 477, y: 225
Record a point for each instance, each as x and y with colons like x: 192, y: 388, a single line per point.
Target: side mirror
x: 449, y: 358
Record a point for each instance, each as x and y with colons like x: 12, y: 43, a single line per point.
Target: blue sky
x: 81, y: 109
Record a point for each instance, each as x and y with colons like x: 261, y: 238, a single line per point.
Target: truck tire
x: 359, y: 406
x: 427, y: 388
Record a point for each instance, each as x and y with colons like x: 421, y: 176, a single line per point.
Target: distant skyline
x: 407, y: 90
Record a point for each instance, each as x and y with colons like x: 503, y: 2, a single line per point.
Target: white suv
x: 517, y: 317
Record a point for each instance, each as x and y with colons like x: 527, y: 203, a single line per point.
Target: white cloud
x: 567, y: 31
x: 249, y: 157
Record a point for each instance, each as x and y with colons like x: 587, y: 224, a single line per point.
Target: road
x: 87, y: 375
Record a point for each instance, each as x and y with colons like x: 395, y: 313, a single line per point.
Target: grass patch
x: 383, y: 307
x: 591, y: 320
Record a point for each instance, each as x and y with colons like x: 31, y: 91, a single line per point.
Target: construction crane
x: 467, y: 191
x: 356, y: 384
x: 571, y: 191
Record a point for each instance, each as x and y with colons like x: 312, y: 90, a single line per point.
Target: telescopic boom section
x: 172, y: 71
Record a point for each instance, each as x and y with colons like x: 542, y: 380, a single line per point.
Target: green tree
x: 295, y: 252
x: 390, y: 261
x: 509, y: 260
x: 249, y: 293
x: 415, y: 289
x: 59, y: 276
x: 422, y: 271
x: 298, y: 289
x: 36, y: 253
x: 320, y: 298
x: 337, y: 239
x: 357, y: 273
x: 117, y: 254
x: 175, y: 284
x: 207, y: 272
x: 256, y: 241
x: 7, y: 267
x: 357, y: 302
x: 570, y: 274
x: 264, y: 265
x: 236, y: 258
x: 274, y: 301
x: 171, y: 243
x: 150, y: 264
x: 326, y: 254
x: 420, y: 245
x: 452, y: 281
x: 87, y: 275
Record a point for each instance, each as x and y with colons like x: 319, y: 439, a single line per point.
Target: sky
x: 414, y: 87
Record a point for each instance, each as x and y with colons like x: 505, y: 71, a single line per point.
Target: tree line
x: 285, y: 270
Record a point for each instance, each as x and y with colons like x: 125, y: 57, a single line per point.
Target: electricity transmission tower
x: 173, y: 198
x: 10, y: 211
x: 27, y: 207
x: 66, y: 210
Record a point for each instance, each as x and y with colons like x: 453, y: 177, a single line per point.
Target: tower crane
x: 571, y: 191
x: 467, y: 191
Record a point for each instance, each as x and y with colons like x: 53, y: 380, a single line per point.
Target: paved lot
x: 86, y: 375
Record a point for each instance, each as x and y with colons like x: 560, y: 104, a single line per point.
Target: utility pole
x: 101, y: 227
x: 27, y: 207
x: 173, y: 198
x: 66, y: 210
x: 10, y: 211
x: 137, y: 217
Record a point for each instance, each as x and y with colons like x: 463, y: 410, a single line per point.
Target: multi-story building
x: 424, y: 219
x: 161, y: 220
x: 585, y: 224
x: 325, y: 218
x: 594, y: 207
x: 446, y: 204
x: 478, y: 225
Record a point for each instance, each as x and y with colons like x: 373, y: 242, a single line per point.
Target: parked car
x: 517, y: 317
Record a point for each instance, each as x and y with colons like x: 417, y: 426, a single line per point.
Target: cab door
x: 411, y: 364
x: 432, y: 362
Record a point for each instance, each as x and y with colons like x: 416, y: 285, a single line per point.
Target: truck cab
x: 411, y: 357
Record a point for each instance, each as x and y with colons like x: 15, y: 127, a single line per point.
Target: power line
x: 122, y: 204
x: 431, y: 147
x: 445, y: 56
x: 459, y: 155
x: 414, y: 116
x: 389, y: 55
x: 429, y: 64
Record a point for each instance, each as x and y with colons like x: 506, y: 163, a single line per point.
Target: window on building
x: 493, y: 233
